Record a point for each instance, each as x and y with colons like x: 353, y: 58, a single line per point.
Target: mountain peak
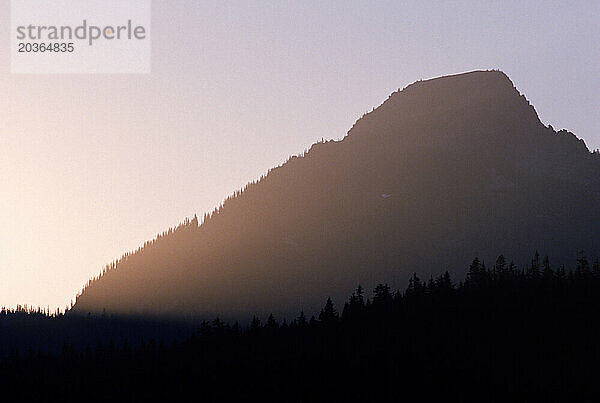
x: 475, y: 78
x: 480, y: 101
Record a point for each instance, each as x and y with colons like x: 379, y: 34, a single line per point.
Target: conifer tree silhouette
x: 271, y: 322
x: 302, y: 320
x: 328, y: 314
x: 382, y: 296
x: 255, y: 324
x: 547, y: 272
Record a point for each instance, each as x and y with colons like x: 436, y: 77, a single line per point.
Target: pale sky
x: 91, y: 166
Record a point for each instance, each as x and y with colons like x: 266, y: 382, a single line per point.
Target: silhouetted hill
x: 442, y: 171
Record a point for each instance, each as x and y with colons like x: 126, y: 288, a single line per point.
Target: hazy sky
x: 91, y: 166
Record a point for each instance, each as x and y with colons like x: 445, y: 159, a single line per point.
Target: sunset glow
x: 93, y: 166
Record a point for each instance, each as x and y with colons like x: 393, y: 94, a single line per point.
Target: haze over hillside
x: 445, y: 170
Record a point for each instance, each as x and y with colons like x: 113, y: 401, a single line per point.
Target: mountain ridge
x: 415, y: 184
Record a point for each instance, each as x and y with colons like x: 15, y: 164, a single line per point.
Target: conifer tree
x: 328, y: 314
x: 382, y: 295
x: 547, y: 270
x: 271, y: 322
x: 302, y: 320
x: 255, y: 324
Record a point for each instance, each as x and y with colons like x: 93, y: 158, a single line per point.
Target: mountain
x: 444, y: 170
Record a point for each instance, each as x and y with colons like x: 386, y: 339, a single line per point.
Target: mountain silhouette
x: 444, y: 170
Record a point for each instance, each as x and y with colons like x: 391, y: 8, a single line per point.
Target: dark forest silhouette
x: 501, y: 334
x: 444, y: 170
